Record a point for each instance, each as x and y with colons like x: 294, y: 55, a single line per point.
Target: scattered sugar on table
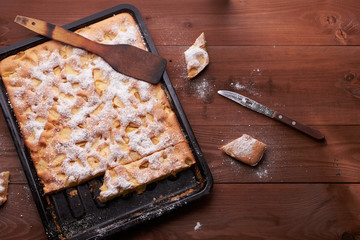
x: 197, y: 226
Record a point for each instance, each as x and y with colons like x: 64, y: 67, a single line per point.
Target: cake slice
x: 196, y: 57
x: 4, y: 182
x: 245, y: 149
x: 123, y: 179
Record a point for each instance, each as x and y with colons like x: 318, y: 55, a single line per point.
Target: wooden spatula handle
x: 299, y: 126
x: 57, y: 33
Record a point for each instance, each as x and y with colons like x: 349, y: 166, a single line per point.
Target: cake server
x: 257, y: 107
x: 126, y: 59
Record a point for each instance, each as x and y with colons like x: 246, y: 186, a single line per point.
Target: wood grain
x: 232, y: 211
x: 300, y: 58
x: 19, y: 218
x: 225, y: 22
x: 271, y: 211
x: 315, y: 85
x: 290, y: 156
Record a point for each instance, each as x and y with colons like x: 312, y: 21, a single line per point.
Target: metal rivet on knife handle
x: 299, y: 126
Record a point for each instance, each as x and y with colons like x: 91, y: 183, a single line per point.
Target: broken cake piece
x: 124, y: 178
x: 245, y: 149
x: 4, y: 182
x: 196, y: 57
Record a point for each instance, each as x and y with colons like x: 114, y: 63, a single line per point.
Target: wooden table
x: 299, y: 57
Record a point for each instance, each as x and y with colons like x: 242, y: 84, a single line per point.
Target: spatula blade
x: 126, y: 59
x: 135, y: 62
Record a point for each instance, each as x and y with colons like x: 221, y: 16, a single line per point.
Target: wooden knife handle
x: 299, y: 126
x: 58, y: 33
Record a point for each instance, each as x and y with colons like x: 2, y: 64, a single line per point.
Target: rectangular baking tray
x: 76, y: 213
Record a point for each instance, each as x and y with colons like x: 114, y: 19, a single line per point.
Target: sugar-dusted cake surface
x: 245, y: 149
x: 79, y: 117
x: 121, y: 179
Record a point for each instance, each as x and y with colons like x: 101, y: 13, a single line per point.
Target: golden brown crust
x: 78, y: 116
x: 245, y: 149
x: 123, y: 179
x: 4, y: 183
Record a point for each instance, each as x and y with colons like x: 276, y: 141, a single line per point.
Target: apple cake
x: 81, y: 119
x: 245, y: 149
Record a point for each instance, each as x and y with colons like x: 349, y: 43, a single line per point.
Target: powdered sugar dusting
x: 262, y: 174
x: 2, y: 187
x: 247, y: 86
x: 203, y: 88
x: 147, y: 169
x: 247, y: 83
x: 192, y: 55
x: 242, y: 146
x: 196, y: 57
x: 197, y: 226
x: 95, y: 115
x: 238, y: 86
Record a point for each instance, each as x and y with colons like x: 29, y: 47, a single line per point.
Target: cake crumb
x: 73, y: 193
x: 197, y: 226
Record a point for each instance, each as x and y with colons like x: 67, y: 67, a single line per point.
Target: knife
x: 257, y: 107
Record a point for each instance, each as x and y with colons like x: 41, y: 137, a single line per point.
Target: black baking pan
x: 75, y: 213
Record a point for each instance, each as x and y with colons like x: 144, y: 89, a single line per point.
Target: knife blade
x: 257, y: 107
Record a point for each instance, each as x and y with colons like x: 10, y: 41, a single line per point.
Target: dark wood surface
x: 300, y: 58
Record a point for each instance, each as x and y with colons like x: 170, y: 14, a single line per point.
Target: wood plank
x: 280, y: 22
x: 290, y: 156
x: 291, y: 94
x: 314, y: 85
x: 263, y: 211
x: 231, y: 211
x: 273, y: 52
x: 9, y: 159
x: 261, y: 22
x: 19, y: 216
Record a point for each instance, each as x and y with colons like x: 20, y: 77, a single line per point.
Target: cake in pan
x: 81, y: 119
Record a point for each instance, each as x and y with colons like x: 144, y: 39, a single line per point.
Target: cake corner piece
x: 196, y: 57
x: 245, y: 149
x: 123, y: 179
